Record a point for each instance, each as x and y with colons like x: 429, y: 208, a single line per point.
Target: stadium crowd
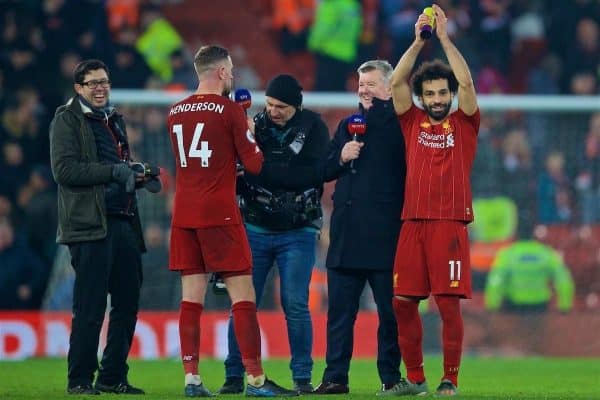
x: 548, y: 165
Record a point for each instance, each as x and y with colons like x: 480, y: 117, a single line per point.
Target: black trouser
x: 345, y: 287
x: 110, y: 265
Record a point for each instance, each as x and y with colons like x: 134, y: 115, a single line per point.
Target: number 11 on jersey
x: 204, y: 152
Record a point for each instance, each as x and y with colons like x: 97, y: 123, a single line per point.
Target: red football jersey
x: 438, y: 161
x: 208, y: 134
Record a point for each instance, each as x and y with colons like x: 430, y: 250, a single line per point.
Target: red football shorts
x: 432, y: 257
x: 222, y: 249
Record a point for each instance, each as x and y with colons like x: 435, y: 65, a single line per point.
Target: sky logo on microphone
x: 357, y: 125
x: 243, y: 98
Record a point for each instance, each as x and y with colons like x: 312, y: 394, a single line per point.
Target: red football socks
x: 247, y: 333
x: 410, y: 338
x: 452, y: 335
x: 189, y: 335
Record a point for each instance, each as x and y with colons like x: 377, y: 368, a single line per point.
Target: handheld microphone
x: 357, y: 126
x: 243, y: 98
x: 427, y: 29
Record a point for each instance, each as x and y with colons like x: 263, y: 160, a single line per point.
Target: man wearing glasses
x: 99, y: 221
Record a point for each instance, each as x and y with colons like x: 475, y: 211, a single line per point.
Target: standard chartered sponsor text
x: 436, y: 141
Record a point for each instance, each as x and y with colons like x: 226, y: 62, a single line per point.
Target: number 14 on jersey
x: 198, y: 148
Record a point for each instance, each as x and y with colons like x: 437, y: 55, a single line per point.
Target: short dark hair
x: 84, y: 67
x: 432, y: 70
x: 208, y: 56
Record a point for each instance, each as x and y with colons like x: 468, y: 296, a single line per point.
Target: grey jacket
x: 80, y: 177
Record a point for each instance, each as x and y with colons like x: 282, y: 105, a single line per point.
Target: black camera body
x: 152, y: 172
x: 145, y: 168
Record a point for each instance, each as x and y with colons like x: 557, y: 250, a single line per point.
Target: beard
x: 438, y: 115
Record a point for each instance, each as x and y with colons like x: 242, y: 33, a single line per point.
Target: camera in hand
x: 152, y: 172
x: 218, y: 284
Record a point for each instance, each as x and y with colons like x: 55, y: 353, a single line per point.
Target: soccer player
x: 208, y: 134
x: 432, y: 256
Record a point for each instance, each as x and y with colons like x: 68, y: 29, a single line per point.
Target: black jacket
x: 304, y: 170
x: 284, y: 170
x: 367, y: 203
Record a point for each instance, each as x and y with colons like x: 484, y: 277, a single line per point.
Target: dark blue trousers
x: 345, y: 287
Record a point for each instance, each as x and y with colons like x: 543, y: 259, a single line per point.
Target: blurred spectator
x: 20, y: 122
x: 461, y: 32
x: 584, y: 83
x: 154, y: 141
x: 292, y: 19
x: 59, y: 293
x: 245, y: 75
x: 582, y: 254
x: 2, y: 90
x: 521, y: 275
x: 517, y: 177
x: 161, y: 289
x: 21, y: 65
x: 334, y: 39
x: 21, y: 272
x: 151, y: 149
x: 491, y: 21
x: 528, y: 43
x: 122, y: 14
x: 587, y: 182
x: 367, y: 44
x: 543, y: 78
x: 90, y: 28
x: 13, y: 170
x: 554, y: 192
x: 158, y: 40
x: 37, y: 198
x: 493, y: 228
x: 490, y: 80
x: 399, y: 19
x: 53, y: 18
x: 5, y: 206
x: 130, y: 69
x: 582, y: 59
x: 562, y: 17
x: 184, y: 77
x: 487, y: 164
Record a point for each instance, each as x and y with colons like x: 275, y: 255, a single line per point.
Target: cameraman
x: 282, y: 212
x: 99, y: 221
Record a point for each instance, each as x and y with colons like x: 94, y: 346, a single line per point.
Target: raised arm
x: 401, y: 94
x: 467, y: 98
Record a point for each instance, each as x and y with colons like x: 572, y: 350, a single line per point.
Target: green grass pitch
x: 481, y: 378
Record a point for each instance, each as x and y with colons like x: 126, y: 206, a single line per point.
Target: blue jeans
x: 294, y: 252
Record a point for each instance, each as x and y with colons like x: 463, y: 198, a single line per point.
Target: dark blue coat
x: 367, y: 203
x: 20, y: 266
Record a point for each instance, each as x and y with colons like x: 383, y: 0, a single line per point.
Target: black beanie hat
x: 285, y: 88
